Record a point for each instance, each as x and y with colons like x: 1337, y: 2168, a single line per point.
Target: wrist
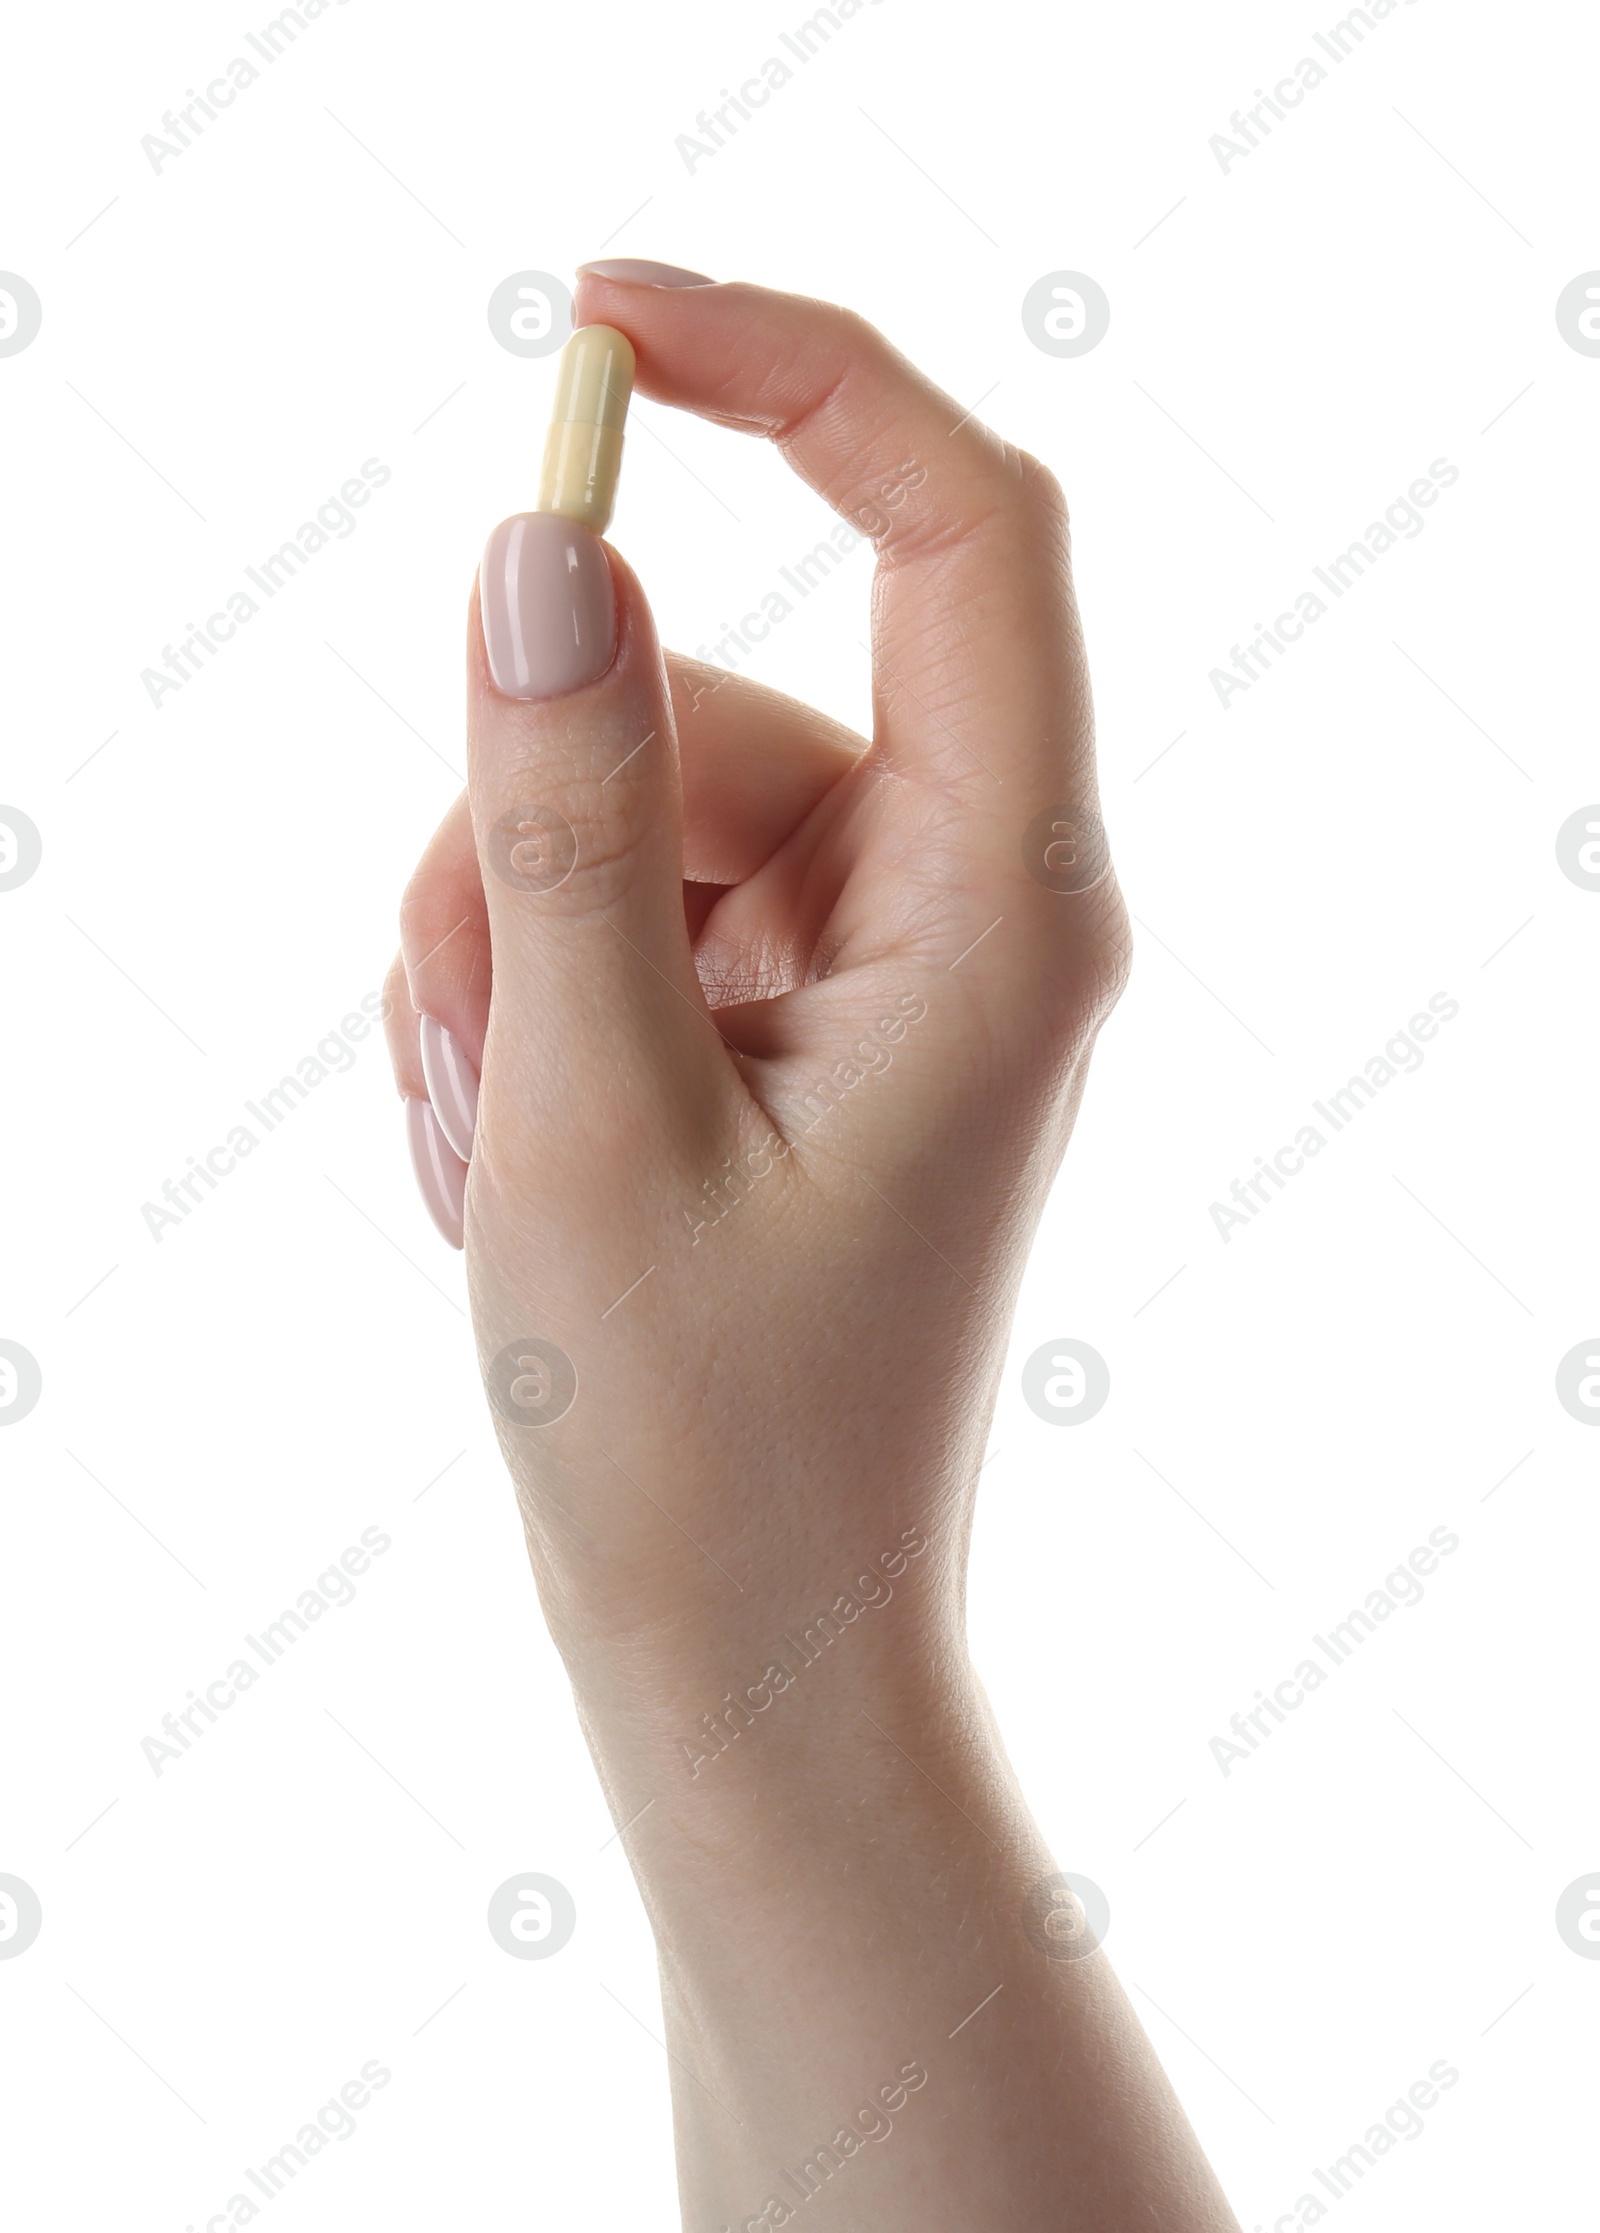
x: 837, y: 1890
x: 765, y: 1676
x: 826, y: 1767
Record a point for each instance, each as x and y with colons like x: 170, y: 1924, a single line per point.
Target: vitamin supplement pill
x: 583, y: 449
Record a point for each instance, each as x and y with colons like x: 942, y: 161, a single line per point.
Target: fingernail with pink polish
x: 452, y: 1085
x: 549, y: 610
x: 441, y: 1174
x: 638, y: 271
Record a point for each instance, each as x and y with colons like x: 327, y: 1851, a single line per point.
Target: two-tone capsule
x: 583, y: 449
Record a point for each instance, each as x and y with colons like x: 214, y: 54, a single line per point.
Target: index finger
x: 979, y: 678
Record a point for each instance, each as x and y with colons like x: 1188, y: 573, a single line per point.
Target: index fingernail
x: 639, y: 271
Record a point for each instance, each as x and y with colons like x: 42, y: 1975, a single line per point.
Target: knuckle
x: 859, y: 336
x: 1113, y: 947
x: 1041, y: 492
x: 1087, y: 960
x: 423, y: 905
x: 400, y: 1029
x: 594, y: 854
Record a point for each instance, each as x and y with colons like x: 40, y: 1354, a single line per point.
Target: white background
x: 1373, y: 1357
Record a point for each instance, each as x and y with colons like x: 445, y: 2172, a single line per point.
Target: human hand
x: 781, y: 1045
x: 797, y: 1038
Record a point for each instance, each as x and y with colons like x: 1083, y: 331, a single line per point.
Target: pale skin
x: 800, y: 1389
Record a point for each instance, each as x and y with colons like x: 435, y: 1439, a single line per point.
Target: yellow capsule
x: 583, y: 449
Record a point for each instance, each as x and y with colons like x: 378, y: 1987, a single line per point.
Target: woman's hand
x: 779, y: 1051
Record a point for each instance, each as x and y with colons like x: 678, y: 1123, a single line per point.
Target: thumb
x: 599, y: 1035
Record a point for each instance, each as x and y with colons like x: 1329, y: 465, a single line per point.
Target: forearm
x: 861, y: 2005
